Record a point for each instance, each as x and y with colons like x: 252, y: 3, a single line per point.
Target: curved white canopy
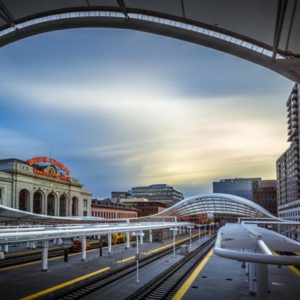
x: 264, y: 32
x: 216, y: 203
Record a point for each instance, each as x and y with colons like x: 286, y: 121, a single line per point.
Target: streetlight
x: 174, y: 238
x: 137, y: 234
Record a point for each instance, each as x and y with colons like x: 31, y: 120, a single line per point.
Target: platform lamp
x: 137, y: 234
x: 175, y: 229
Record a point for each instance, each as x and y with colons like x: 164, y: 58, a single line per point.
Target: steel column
x: 45, y: 256
x: 83, y: 248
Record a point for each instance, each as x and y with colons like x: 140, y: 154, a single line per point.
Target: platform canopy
x: 264, y: 32
x: 217, y: 203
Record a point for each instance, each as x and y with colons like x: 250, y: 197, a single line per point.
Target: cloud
x: 159, y: 111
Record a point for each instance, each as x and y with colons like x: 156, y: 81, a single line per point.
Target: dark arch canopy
x: 264, y: 32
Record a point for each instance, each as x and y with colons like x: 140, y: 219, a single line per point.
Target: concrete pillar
x: 83, y: 248
x: 251, y: 279
x: 150, y: 236
x: 31, y: 202
x: 6, y: 248
x: 179, y: 230
x: 45, y: 256
x: 127, y: 240
x: 27, y: 245
x: 142, y: 239
x: 262, y: 281
x: 109, y: 244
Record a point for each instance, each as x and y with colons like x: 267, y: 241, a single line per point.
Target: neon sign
x: 49, y: 167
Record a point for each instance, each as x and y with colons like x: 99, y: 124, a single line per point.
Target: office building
x: 287, y: 165
x: 262, y: 192
x: 243, y: 187
x: 157, y: 192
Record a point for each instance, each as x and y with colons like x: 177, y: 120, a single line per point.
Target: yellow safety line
x: 67, y: 283
x: 292, y: 268
x: 64, y: 284
x: 49, y: 259
x: 181, y: 292
x: 125, y: 259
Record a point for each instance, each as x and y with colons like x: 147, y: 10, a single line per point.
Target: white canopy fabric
x: 264, y: 32
x: 217, y: 203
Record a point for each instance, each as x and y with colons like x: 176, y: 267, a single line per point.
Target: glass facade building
x: 157, y: 192
x: 243, y: 187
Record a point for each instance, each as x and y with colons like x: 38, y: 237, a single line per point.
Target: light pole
x: 174, y: 240
x: 137, y: 234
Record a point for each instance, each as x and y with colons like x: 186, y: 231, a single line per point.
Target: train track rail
x: 166, y: 284
x: 86, y: 287
x: 14, y: 259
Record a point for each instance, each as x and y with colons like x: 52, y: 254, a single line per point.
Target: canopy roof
x: 265, y: 32
x: 217, y: 204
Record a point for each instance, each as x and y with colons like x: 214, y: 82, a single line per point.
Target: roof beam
x: 281, y: 9
x: 6, y: 15
x: 182, y: 8
x: 123, y: 7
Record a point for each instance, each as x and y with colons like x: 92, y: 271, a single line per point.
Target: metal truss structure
x: 217, y: 203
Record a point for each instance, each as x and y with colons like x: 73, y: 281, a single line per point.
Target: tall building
x: 157, y: 192
x: 265, y: 195
x: 243, y: 187
x: 287, y: 165
x: 42, y: 185
x: 262, y: 192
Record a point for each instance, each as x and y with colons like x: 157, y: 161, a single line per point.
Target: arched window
x: 51, y: 204
x: 24, y: 197
x: 37, y: 202
x: 63, y: 205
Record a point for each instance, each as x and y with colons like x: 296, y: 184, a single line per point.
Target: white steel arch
x: 264, y: 32
x: 216, y: 203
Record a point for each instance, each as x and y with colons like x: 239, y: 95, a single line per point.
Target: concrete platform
x: 125, y: 287
x: 21, y: 281
x: 223, y: 279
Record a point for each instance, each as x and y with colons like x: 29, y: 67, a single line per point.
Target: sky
x: 123, y: 108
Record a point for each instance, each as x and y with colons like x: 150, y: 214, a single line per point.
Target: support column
x: 179, y: 230
x: 142, y: 238
x: 83, y: 248
x: 109, y: 244
x: 251, y: 279
x: 262, y: 281
x: 150, y: 236
x: 6, y: 248
x: 31, y: 201
x: 127, y: 240
x: 45, y: 256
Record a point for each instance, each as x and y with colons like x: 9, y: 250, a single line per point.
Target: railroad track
x: 166, y: 284
x: 15, y: 259
x: 96, y: 283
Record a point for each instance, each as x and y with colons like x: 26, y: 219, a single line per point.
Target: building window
x: 85, y: 203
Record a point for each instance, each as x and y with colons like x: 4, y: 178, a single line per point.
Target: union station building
x: 42, y: 185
